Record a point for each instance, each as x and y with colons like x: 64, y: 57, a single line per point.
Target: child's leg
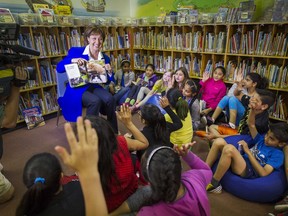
x: 143, y: 91
x: 133, y: 98
x: 221, y: 105
x: 230, y: 157
x: 217, y: 146
x: 131, y: 93
x: 234, y: 106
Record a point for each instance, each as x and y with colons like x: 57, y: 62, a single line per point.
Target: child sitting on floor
x: 146, y: 80
x: 212, y: 89
x: 258, y: 160
x: 180, y: 106
x: 190, y: 94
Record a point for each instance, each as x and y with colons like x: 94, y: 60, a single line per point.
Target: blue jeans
x: 101, y: 101
x: 232, y: 103
x: 120, y: 94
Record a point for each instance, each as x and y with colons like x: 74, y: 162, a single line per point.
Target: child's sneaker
x: 282, y: 205
x: 211, y: 189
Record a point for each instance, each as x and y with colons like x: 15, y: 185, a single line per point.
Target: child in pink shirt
x: 213, y: 89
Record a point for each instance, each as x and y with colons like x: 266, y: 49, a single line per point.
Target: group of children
x: 164, y: 139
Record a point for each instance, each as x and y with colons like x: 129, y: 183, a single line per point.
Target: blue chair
x: 62, y: 81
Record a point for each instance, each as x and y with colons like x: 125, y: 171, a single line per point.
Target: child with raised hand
x: 176, y: 192
x: 83, y: 158
x: 259, y: 160
x: 179, y: 78
x: 234, y: 101
x: 190, y: 94
x: 156, y: 129
x: 123, y: 80
x: 146, y: 79
x: 42, y: 176
x: 160, y: 87
x: 212, y: 89
x: 180, y: 107
x: 115, y: 165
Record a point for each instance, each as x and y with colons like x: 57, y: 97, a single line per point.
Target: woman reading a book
x: 92, y: 96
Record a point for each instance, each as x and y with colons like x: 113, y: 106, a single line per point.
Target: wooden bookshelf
x: 53, y: 43
x: 252, y: 47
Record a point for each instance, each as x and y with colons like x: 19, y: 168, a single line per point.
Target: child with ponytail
x: 180, y: 107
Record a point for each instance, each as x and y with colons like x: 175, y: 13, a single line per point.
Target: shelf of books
x: 53, y: 43
x: 240, y: 48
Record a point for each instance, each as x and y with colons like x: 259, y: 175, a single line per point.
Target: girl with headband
x: 171, y: 191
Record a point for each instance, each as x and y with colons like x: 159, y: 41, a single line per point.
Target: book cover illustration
x: 75, y: 77
x: 96, y: 71
x: 33, y: 117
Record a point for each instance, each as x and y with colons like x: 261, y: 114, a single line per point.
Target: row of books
x: 47, y: 104
x: 279, y: 110
x: 277, y: 75
x: 264, y: 44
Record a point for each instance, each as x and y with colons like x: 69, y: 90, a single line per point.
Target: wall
x: 113, y: 7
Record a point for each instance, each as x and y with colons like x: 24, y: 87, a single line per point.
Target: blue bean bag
x: 155, y: 100
x: 263, y: 189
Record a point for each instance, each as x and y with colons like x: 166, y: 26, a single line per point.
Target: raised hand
x: 163, y: 102
x: 205, y: 76
x: 183, y: 150
x: 84, y: 151
x: 124, y: 115
x: 20, y: 73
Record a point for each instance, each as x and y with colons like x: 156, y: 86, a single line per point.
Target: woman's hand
x: 183, y: 150
x: 79, y: 61
x: 124, y: 115
x: 163, y: 102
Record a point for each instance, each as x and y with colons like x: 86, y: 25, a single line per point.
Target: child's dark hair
x: 221, y: 68
x: 176, y: 101
x: 107, y: 146
x: 266, y: 96
x: 150, y: 65
x: 41, y: 176
x: 280, y: 131
x: 192, y: 85
x: 163, y: 171
x: 262, y: 82
x: 125, y: 61
x: 154, y: 118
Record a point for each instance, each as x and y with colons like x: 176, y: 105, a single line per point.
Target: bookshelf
x: 53, y: 43
x: 241, y: 47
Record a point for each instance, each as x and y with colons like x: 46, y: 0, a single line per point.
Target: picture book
x: 33, y: 117
x: 96, y: 71
x: 75, y: 77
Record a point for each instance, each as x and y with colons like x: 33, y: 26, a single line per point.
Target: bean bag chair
x: 263, y: 189
x: 155, y: 100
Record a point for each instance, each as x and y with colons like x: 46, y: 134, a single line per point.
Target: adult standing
x: 92, y: 96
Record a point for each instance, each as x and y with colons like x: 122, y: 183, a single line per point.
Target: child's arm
x: 84, y: 159
x: 131, y: 78
x: 190, y: 158
x: 139, y: 142
x: 176, y: 121
x: 262, y: 171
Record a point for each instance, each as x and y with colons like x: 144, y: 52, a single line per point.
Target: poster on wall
x: 94, y: 5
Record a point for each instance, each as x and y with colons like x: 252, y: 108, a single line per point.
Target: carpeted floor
x: 21, y: 144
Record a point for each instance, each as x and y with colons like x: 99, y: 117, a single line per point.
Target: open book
x: 92, y: 72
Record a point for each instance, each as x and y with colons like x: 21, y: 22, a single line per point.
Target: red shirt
x: 127, y: 181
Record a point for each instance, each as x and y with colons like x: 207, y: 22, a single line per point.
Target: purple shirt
x: 212, y: 92
x: 194, y: 201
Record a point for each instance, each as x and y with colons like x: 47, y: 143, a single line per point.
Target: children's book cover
x: 75, y: 77
x: 33, y: 117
